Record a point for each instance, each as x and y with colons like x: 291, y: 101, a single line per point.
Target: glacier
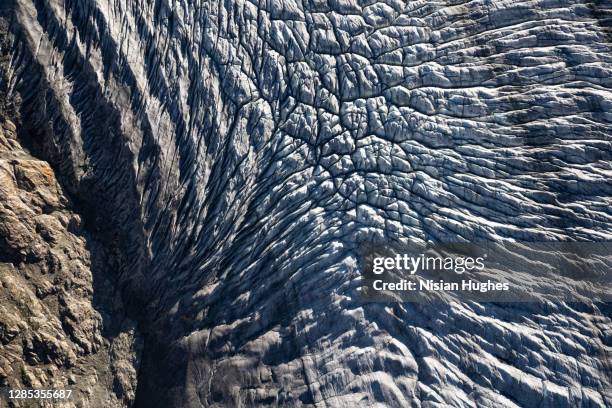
x: 231, y: 156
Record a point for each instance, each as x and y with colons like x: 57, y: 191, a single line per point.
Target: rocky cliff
x: 52, y: 331
x: 233, y: 155
x: 62, y: 323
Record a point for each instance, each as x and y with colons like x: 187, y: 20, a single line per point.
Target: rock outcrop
x: 233, y: 156
x: 52, y: 333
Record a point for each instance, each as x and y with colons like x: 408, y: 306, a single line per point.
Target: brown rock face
x: 52, y: 332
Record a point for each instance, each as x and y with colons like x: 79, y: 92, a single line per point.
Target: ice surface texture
x: 240, y: 151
